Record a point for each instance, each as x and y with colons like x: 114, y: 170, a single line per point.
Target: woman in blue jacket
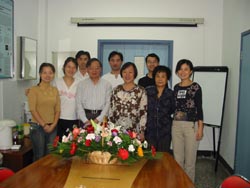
x: 160, y: 109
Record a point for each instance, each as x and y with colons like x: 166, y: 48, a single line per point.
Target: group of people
x: 150, y: 108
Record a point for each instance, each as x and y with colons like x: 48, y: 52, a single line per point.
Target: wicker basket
x: 99, y: 157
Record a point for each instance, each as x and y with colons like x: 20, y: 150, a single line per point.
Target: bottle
x: 15, y: 135
x: 20, y: 134
x: 26, y: 129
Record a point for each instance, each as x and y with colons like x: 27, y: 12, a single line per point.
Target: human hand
x: 87, y: 123
x: 48, y: 128
x: 199, y: 134
x: 27, y: 91
x: 141, y: 136
x: 96, y: 121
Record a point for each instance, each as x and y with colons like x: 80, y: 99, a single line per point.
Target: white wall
x: 203, y: 45
x: 49, y: 21
x: 12, y: 90
x: 216, y: 42
x: 236, y: 20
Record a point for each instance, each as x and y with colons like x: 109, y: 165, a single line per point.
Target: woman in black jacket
x: 160, y: 109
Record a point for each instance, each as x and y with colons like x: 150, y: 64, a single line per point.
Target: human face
x: 94, y: 70
x: 47, y: 74
x: 151, y: 63
x: 128, y: 75
x: 185, y: 72
x: 82, y: 61
x: 115, y: 63
x: 70, y: 69
x: 161, y: 79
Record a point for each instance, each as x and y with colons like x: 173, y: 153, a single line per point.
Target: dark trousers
x: 40, y: 140
x: 65, y: 126
x: 92, y: 114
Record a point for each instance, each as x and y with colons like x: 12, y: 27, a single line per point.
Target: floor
x: 206, y: 177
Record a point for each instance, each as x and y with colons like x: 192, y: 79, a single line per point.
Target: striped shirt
x: 93, y: 97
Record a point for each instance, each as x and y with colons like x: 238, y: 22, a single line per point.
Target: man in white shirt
x: 93, y: 94
x: 82, y: 58
x: 115, y: 61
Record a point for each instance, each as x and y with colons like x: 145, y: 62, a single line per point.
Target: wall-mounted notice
x: 6, y: 38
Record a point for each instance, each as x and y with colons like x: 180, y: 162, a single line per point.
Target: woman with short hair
x: 128, y: 105
x: 160, y: 109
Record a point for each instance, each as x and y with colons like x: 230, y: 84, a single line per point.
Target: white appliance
x: 6, y: 140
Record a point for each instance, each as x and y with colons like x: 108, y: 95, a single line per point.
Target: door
x: 136, y: 51
x: 242, y: 158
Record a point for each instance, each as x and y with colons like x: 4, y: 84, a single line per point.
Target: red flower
x: 55, y: 142
x: 132, y: 134
x: 73, y: 148
x: 153, y: 151
x: 90, y: 129
x: 87, y: 142
x: 72, y: 152
x: 123, y: 153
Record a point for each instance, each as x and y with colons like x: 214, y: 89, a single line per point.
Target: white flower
x: 82, y: 131
x: 112, y: 126
x: 98, y: 128
x: 90, y: 136
x: 117, y: 140
x: 65, y: 139
x: 145, y: 144
x: 137, y: 142
x: 131, y: 148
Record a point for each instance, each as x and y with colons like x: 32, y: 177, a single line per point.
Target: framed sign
x: 6, y: 38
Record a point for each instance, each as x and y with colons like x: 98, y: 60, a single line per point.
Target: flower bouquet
x: 103, y: 143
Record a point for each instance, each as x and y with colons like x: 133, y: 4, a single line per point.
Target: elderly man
x: 93, y: 94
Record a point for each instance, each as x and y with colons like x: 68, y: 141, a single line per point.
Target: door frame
x: 243, y: 34
x: 169, y: 43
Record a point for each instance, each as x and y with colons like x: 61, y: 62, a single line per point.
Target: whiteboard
x: 213, y: 82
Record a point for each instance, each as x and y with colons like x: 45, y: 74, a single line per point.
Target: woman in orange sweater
x: 44, y: 104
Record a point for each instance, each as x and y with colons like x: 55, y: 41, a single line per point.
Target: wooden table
x: 18, y: 159
x: 52, y: 172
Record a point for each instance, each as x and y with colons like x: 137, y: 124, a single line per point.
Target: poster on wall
x: 6, y: 38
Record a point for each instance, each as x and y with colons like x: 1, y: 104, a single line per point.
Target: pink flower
x: 114, y: 132
x: 109, y: 143
x: 76, y: 132
x: 132, y: 134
